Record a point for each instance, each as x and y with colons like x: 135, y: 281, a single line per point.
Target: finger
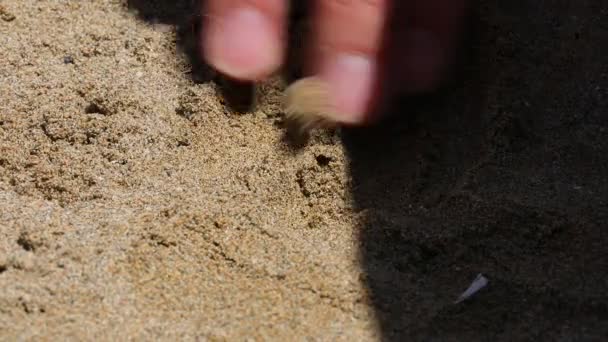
x: 347, y: 41
x: 423, y: 42
x: 244, y: 38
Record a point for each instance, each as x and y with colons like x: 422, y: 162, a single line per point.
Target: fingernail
x: 423, y: 60
x: 349, y: 77
x: 244, y: 44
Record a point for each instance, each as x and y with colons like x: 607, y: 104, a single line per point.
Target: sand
x: 137, y: 203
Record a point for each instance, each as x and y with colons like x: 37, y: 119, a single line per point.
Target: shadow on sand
x: 503, y: 174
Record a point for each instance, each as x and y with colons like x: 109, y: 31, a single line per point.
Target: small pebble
x: 307, y: 107
x: 6, y: 15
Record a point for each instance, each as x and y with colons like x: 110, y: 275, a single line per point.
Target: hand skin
x: 246, y: 40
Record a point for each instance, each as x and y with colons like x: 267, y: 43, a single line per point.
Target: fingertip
x: 347, y: 37
x: 243, y: 42
x: 350, y: 80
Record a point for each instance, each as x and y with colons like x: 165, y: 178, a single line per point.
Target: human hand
x: 245, y: 39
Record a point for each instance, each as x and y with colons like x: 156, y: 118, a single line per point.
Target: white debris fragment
x: 479, y: 283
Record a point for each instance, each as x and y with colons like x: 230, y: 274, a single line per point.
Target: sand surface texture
x: 135, y: 203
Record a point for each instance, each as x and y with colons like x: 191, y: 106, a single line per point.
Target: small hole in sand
x: 26, y: 243
x: 323, y: 160
x: 94, y: 108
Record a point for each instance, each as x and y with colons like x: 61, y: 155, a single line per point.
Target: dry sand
x: 135, y: 204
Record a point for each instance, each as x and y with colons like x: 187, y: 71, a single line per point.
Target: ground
x: 136, y: 202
